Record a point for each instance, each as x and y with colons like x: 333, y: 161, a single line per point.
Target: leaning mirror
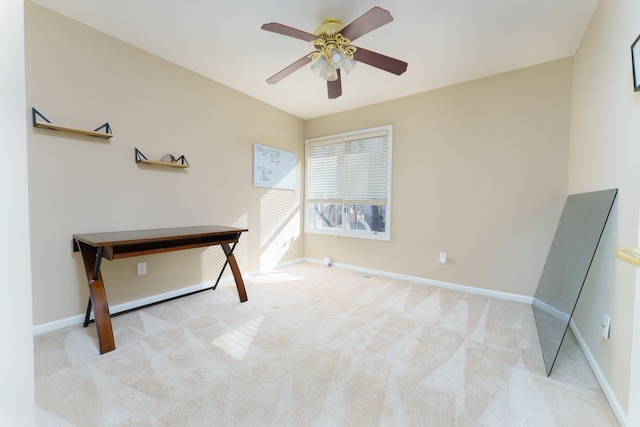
x: 581, y: 225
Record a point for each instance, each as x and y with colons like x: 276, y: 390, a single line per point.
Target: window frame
x: 343, y: 230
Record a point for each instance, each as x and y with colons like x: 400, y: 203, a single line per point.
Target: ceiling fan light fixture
x: 349, y: 64
x: 319, y: 66
x: 330, y: 73
x: 337, y: 57
x: 333, y: 52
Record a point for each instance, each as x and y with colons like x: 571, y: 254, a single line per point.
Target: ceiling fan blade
x: 375, y: 18
x: 289, y: 31
x: 378, y: 60
x: 290, y: 69
x: 334, y: 88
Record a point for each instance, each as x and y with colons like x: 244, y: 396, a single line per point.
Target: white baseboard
x: 604, y: 384
x: 79, y: 318
x: 550, y: 310
x: 422, y: 280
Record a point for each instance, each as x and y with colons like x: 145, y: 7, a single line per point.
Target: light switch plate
x: 606, y: 325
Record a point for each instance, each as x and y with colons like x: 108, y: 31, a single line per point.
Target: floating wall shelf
x: 48, y: 125
x: 180, y: 162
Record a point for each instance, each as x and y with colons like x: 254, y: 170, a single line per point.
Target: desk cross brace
x: 96, y: 272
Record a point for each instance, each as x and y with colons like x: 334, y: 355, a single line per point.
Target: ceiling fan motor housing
x: 329, y: 25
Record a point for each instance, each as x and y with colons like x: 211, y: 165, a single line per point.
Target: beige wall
x: 81, y: 78
x: 479, y: 171
x: 16, y: 361
x: 605, y: 153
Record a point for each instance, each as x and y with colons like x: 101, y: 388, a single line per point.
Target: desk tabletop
x: 113, y: 238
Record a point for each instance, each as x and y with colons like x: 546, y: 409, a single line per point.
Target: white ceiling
x: 444, y: 41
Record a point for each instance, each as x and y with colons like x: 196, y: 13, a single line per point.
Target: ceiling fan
x: 334, y: 51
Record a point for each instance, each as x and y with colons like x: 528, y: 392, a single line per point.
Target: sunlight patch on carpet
x: 236, y: 342
x: 275, y: 278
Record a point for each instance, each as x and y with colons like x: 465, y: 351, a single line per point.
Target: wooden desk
x: 123, y: 244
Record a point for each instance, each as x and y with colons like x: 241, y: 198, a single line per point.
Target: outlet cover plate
x: 443, y: 257
x: 606, y: 326
x: 142, y: 268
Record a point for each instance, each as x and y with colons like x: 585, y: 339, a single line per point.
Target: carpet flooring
x: 317, y: 346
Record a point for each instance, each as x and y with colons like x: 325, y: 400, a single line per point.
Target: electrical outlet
x: 142, y: 268
x: 606, y: 326
x: 443, y: 257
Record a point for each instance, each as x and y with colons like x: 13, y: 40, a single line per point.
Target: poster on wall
x: 273, y: 168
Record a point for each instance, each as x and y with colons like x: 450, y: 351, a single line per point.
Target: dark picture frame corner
x: 635, y: 63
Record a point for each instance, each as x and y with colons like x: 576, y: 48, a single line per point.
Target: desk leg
x: 98, y: 298
x: 236, y: 271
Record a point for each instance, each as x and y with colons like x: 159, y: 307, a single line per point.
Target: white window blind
x: 325, y: 169
x: 365, y: 169
x: 348, y: 184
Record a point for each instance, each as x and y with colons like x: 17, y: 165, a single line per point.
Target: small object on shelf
x: 167, y: 160
x: 48, y: 125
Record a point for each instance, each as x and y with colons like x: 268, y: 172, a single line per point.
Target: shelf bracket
x: 140, y: 156
x: 182, y: 160
x: 105, y: 126
x: 35, y: 113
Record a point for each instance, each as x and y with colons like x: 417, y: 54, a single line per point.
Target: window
x: 348, y: 184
